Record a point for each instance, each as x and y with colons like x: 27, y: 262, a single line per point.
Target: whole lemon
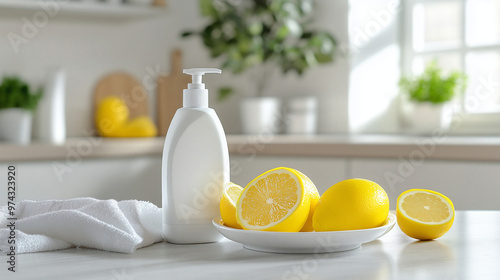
x: 350, y: 205
x: 111, y: 114
x: 139, y: 127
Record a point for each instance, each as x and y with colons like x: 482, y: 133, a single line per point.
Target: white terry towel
x: 101, y: 224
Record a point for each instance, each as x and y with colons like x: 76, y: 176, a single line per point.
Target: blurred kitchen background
x: 362, y: 123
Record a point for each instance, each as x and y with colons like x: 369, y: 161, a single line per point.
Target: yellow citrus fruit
x: 351, y: 204
x: 111, y: 114
x: 227, y: 204
x: 276, y: 200
x: 313, y: 193
x: 139, y: 127
x: 424, y: 214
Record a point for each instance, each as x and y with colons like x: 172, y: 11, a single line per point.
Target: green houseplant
x: 262, y: 37
x: 433, y: 86
x: 430, y: 94
x: 17, y: 103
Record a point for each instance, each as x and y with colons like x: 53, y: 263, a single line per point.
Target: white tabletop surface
x: 470, y: 250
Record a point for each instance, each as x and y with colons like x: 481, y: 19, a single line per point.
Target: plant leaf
x: 207, y: 8
x: 224, y: 93
x: 432, y: 86
x: 15, y: 93
x: 187, y: 33
x: 247, y: 33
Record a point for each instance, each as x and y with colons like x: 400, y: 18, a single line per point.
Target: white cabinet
x: 113, y: 178
x: 324, y: 172
x: 470, y: 185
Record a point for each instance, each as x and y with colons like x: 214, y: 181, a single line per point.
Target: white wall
x: 88, y: 49
x: 374, y: 66
x: 329, y: 83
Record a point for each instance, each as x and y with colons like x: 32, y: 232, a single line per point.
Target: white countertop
x: 469, y: 148
x: 470, y: 250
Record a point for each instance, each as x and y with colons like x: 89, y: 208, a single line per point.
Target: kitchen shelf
x: 76, y: 10
x: 84, y: 147
x: 466, y: 148
x: 335, y: 146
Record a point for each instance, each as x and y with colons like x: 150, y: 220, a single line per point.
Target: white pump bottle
x: 195, y: 167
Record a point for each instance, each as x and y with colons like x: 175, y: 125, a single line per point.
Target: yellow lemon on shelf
x: 111, y: 114
x: 112, y: 120
x: 277, y: 200
x: 424, y: 214
x: 227, y: 204
x: 138, y: 127
x: 350, y: 205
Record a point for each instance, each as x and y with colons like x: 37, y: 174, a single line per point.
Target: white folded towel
x: 101, y: 224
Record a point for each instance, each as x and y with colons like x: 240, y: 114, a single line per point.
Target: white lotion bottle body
x: 195, y: 167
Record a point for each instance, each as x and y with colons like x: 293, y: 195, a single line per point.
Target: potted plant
x: 17, y: 103
x: 262, y: 37
x: 430, y: 95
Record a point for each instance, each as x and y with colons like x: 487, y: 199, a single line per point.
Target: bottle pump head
x: 196, y: 96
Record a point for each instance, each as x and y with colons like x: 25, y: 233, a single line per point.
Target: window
x: 460, y: 35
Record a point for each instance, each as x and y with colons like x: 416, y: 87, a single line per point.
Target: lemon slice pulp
x: 424, y: 214
x: 276, y: 200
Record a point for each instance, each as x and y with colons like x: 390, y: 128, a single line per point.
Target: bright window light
x: 483, y: 22
x: 460, y: 35
x: 437, y: 25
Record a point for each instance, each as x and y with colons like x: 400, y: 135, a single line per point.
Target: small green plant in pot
x: 17, y: 103
x: 430, y: 94
x: 261, y: 37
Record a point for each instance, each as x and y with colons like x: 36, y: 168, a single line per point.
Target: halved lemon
x: 313, y: 194
x: 424, y: 214
x: 227, y: 204
x: 276, y: 200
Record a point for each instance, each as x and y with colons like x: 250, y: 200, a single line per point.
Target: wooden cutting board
x: 169, y: 92
x: 128, y: 88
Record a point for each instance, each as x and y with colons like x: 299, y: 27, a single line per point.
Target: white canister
x: 301, y: 115
x: 50, y: 118
x: 261, y: 115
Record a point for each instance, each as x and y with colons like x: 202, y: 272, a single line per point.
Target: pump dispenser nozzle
x: 197, y: 73
x: 196, y: 96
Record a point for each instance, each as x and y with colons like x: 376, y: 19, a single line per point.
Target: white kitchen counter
x: 470, y: 250
x: 440, y: 147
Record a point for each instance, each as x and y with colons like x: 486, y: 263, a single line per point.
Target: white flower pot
x: 261, y: 115
x: 427, y: 118
x: 15, y: 125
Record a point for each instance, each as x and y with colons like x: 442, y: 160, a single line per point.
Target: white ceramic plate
x: 303, y: 242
